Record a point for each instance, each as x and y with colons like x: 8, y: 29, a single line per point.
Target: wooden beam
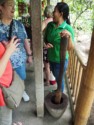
x: 86, y: 94
x: 38, y: 55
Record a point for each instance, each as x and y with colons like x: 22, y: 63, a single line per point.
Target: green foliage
x: 82, y: 14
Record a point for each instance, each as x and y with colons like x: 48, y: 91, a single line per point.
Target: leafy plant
x: 82, y: 14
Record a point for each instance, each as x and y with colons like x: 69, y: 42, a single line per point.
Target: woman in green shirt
x: 55, y: 30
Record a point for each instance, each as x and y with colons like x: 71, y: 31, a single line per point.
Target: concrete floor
x: 26, y: 113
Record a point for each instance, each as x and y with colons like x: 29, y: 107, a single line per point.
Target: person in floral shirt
x: 8, y: 26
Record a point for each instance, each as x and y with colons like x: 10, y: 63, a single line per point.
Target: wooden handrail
x: 86, y: 93
x: 74, y: 75
x: 80, y: 58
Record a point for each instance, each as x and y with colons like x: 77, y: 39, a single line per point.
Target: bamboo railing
x: 74, y: 76
x: 86, y: 93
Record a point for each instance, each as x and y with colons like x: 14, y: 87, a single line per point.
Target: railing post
x: 86, y: 93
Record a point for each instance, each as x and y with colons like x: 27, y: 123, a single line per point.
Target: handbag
x: 13, y: 94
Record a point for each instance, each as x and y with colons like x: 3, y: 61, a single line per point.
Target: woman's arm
x: 27, y: 45
x: 28, y: 50
x: 70, y: 44
x: 10, y: 48
x: 43, y: 25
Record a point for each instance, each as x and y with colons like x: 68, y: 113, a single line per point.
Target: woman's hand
x: 65, y: 33
x: 29, y: 59
x: 12, y: 45
x: 48, y: 45
x: 70, y: 42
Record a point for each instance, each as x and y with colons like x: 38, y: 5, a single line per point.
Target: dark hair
x: 2, y: 2
x: 64, y: 8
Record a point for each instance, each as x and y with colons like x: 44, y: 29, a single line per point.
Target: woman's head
x: 7, y: 8
x: 48, y: 12
x: 61, y: 11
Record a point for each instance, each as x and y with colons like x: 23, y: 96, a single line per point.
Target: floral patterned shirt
x: 18, y: 58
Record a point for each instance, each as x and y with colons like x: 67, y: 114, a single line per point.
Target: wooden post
x: 86, y: 94
x: 38, y: 55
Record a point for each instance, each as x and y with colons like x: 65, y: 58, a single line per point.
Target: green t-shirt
x: 52, y: 35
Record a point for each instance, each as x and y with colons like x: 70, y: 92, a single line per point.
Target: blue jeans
x: 55, y: 68
x: 21, y: 71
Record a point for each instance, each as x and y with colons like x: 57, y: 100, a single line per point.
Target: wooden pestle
x: 63, y: 48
